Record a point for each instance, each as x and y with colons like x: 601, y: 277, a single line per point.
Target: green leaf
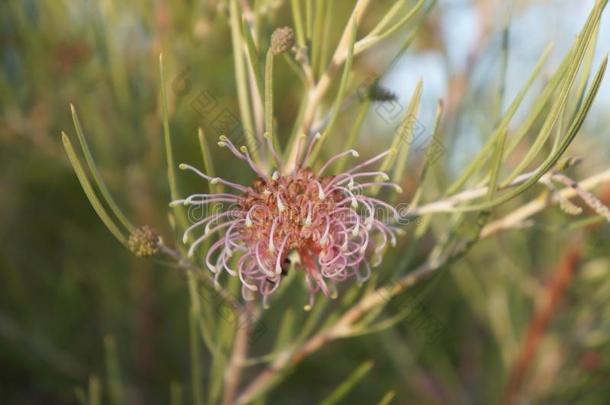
x: 90, y: 193
x: 352, y: 137
x: 372, y: 40
x: 403, y: 138
x: 176, y: 394
x: 269, y: 94
x: 286, y: 330
x: 550, y: 161
x: 208, y: 162
x: 496, y: 165
x: 252, y: 55
x: 340, y: 93
x: 484, y: 154
x: 568, y: 80
x: 115, y: 386
x: 99, y: 182
x: 179, y: 212
x: 387, y: 18
x: 242, y: 80
x: 387, y: 398
x: 318, y: 35
x: 95, y: 391
x: 435, y: 140
x: 405, y: 134
x: 350, y: 382
x: 298, y: 22
x: 195, y: 351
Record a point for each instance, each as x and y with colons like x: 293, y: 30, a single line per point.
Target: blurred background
x: 72, y: 300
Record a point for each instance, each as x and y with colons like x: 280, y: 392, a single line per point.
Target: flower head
x: 282, y: 40
x: 325, y: 223
x: 144, y: 241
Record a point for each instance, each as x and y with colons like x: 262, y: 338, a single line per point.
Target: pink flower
x: 325, y: 222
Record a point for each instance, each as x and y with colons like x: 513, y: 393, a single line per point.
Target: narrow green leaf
x: 208, y: 162
x: 195, y: 351
x: 169, y: 154
x: 435, y: 140
x: 115, y: 386
x: 176, y: 396
x: 99, y: 182
x: 252, y: 55
x: 496, y: 164
x: 179, y: 212
x: 286, y: 330
x: 318, y: 38
x: 585, y: 75
x: 349, y: 384
x: 352, y: 137
x: 325, y: 41
x: 336, y: 109
x: 371, y: 41
x: 387, y: 18
x: 90, y: 193
x: 308, y: 19
x: 95, y: 391
x: 484, y: 154
x: 269, y: 94
x: 292, y: 64
x: 387, y: 398
x: 81, y: 396
x: 583, y: 42
x: 554, y: 157
x: 405, y: 135
x: 242, y: 80
x: 313, y: 316
x: 298, y: 22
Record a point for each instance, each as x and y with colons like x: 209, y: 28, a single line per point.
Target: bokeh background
x: 73, y: 300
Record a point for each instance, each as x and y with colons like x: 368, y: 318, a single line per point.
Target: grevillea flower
x: 324, y: 224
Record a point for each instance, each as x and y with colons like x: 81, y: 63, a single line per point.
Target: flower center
x: 289, y: 212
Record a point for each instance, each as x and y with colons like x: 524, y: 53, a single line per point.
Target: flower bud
x: 282, y: 40
x: 144, y: 241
